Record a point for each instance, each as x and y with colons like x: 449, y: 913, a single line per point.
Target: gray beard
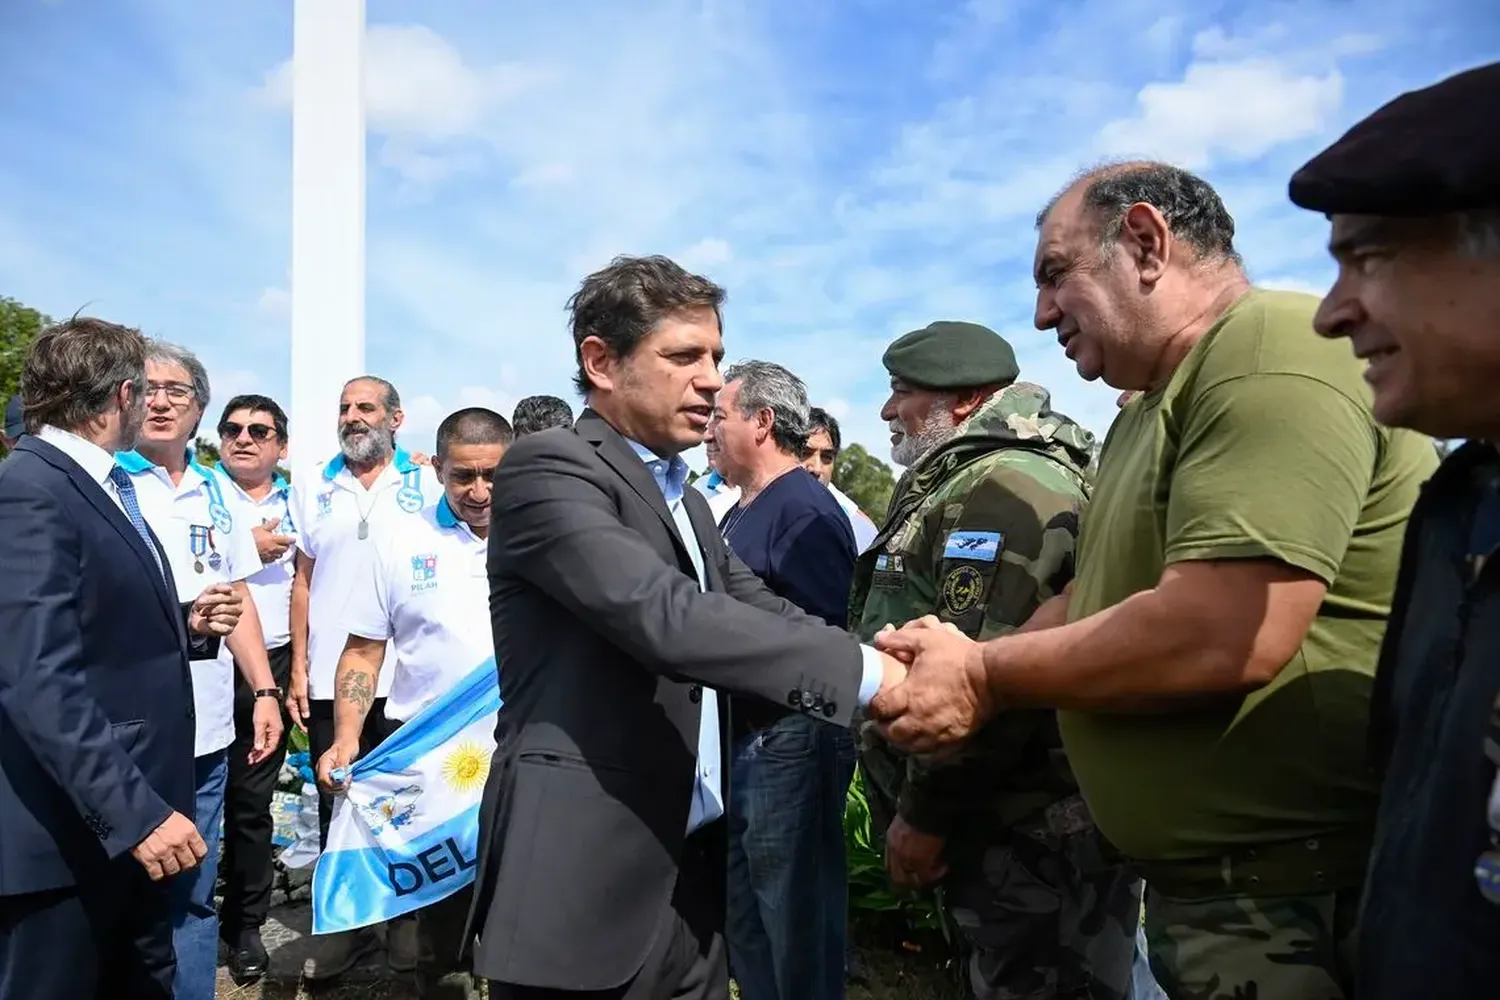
x: 937, y: 429
x: 374, y: 445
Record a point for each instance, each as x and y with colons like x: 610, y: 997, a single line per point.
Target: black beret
x: 1428, y: 152
x: 949, y: 355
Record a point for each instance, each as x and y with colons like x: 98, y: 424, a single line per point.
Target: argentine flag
x: 406, y: 833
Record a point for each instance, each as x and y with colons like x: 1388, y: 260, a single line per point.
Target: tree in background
x: 866, y: 480
x: 205, y: 452
x: 19, y: 326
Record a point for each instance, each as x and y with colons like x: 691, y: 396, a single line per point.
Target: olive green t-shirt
x: 1260, y: 446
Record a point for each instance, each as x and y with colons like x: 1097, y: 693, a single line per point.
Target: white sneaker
x: 335, y: 954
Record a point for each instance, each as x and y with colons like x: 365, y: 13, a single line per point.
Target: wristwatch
x: 270, y: 693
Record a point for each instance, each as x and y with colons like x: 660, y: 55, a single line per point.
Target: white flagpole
x: 328, y: 217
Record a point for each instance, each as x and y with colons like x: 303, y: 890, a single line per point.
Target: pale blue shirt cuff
x: 874, y: 673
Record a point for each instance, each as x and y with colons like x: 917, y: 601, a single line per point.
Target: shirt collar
x: 94, y: 460
x: 401, y: 460
x: 670, y: 474
x: 135, y: 463
x: 445, y: 516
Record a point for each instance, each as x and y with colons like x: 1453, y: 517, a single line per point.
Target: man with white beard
x: 981, y: 530
x: 370, y: 484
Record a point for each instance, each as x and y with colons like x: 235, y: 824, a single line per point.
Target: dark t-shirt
x: 796, y: 538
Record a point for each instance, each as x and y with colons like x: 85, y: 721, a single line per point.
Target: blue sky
x: 849, y: 170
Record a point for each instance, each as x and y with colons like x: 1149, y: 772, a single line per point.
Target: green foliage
x: 19, y: 325
x: 865, y: 479
x: 910, y: 920
x: 205, y: 452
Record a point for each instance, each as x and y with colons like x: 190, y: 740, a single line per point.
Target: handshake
x: 935, y: 692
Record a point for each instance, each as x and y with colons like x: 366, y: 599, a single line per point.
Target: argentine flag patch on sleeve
x: 980, y: 546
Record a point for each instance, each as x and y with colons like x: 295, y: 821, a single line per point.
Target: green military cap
x: 952, y: 355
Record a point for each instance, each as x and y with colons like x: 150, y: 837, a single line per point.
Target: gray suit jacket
x: 604, y: 641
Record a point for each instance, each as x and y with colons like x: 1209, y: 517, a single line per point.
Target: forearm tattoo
x: 357, y: 688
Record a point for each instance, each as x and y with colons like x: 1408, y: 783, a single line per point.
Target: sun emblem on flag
x: 395, y: 809
x: 466, y: 767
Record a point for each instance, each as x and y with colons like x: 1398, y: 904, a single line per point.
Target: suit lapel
x: 101, y: 502
x: 616, y: 451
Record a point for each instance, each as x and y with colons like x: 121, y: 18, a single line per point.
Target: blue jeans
x: 788, y: 881
x: 195, y: 924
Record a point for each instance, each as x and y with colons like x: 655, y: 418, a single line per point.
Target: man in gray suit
x: 620, y: 618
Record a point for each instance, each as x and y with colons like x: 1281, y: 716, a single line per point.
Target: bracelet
x: 269, y: 693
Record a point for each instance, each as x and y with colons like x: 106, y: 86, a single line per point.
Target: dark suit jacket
x: 604, y: 640
x: 96, y: 700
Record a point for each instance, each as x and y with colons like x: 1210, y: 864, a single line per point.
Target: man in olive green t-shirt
x: 1212, y: 662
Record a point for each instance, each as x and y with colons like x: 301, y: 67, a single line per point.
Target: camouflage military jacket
x: 980, y: 532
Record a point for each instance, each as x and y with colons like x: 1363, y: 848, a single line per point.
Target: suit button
x: 695, y: 693
x: 829, y: 708
x: 817, y: 702
x: 807, y: 700
x: 794, y: 698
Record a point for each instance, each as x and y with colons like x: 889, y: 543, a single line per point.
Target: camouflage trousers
x: 1045, y: 917
x: 1254, y: 948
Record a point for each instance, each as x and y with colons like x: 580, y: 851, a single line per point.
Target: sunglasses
x: 230, y: 431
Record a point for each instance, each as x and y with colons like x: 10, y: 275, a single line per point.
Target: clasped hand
x: 216, y: 611
x: 945, y: 696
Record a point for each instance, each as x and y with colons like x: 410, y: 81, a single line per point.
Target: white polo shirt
x: 271, y: 587
x: 331, y: 507
x: 430, y: 595
x: 205, y: 544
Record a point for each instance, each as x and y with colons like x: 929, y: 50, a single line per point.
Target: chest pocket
x: 970, y: 561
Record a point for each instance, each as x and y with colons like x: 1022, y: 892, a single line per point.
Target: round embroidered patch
x: 962, y: 589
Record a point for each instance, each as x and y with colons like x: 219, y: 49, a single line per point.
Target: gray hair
x: 768, y: 386
x: 1194, y: 212
x: 73, y: 372
x: 390, y: 398
x: 1480, y: 233
x: 180, y: 357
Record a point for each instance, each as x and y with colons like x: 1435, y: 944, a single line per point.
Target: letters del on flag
x: 407, y: 832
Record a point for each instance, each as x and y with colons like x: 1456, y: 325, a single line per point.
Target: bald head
x: 1132, y: 260
x: 1194, y: 213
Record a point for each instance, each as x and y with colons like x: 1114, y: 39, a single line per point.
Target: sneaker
x: 335, y: 954
x: 401, y: 945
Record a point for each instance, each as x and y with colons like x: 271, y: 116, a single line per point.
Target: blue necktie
x: 126, y: 489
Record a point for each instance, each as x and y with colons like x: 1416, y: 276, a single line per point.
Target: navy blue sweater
x: 797, y: 539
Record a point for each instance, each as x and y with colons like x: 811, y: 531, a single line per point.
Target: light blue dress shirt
x: 708, y: 791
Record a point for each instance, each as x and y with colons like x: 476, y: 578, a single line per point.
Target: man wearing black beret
x: 1413, y: 194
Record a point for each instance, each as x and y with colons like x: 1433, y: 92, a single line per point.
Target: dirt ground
x: 893, y: 977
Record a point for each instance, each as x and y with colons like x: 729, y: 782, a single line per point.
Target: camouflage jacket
x: 980, y: 532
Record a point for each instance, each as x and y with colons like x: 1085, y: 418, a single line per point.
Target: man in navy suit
x: 96, y: 702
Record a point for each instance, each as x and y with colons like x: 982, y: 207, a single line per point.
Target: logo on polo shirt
x: 424, y: 571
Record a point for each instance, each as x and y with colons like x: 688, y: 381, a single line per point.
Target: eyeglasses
x: 230, y: 431
x: 176, y: 391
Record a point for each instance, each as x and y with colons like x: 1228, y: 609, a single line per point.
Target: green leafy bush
x: 878, y: 911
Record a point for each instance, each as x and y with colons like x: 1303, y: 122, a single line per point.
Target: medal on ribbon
x: 198, y: 543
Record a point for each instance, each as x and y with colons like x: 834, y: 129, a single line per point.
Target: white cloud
x: 424, y: 412
x: 1235, y: 111
x: 274, y: 303
x: 705, y: 254
x: 421, y: 95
